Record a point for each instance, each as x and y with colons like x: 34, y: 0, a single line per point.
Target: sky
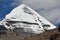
x: 49, y: 9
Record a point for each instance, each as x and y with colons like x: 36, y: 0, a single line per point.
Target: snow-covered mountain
x: 25, y: 18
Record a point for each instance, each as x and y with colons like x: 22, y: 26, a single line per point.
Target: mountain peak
x: 26, y: 18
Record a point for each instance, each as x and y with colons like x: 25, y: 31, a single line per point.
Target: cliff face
x: 48, y: 35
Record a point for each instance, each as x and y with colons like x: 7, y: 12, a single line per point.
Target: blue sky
x: 5, y: 7
x: 50, y: 9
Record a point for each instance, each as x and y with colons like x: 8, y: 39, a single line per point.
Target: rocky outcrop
x: 48, y: 35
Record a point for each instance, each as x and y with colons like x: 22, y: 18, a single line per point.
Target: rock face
x: 25, y: 18
x: 48, y: 35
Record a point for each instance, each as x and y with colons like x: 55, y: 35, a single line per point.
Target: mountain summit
x: 25, y: 18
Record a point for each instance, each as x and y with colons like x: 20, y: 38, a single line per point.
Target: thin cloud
x: 46, y: 4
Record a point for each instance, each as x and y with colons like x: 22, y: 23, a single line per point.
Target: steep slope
x: 27, y: 19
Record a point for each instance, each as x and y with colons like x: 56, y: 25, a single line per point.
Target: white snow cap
x: 19, y: 14
x: 26, y: 14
